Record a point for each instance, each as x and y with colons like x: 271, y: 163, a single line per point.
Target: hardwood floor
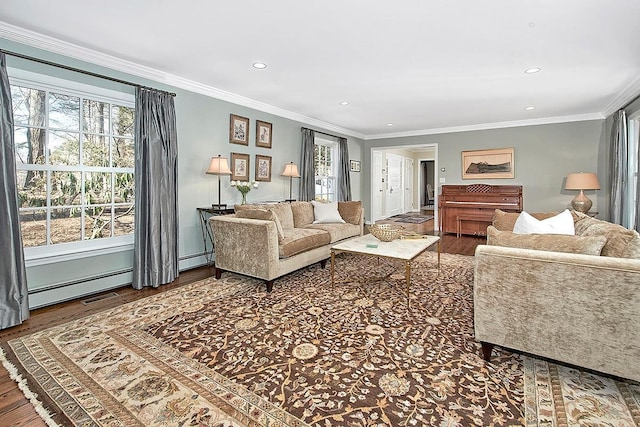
x: 15, y: 409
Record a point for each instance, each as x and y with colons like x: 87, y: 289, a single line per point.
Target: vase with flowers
x: 244, y: 187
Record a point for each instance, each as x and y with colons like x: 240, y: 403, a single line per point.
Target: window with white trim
x: 74, y: 164
x: 325, y: 160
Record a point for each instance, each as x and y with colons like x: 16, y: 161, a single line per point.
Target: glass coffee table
x: 400, y: 249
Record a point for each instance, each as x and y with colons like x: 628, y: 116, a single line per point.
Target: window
x: 74, y: 163
x: 325, y: 160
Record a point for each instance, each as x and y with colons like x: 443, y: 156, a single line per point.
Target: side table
x: 207, y: 234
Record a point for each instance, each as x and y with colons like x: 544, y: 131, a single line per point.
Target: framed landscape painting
x: 263, y: 168
x: 488, y: 164
x: 238, y: 130
x: 239, y: 167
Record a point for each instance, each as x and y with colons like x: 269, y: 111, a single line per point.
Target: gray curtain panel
x: 307, y: 166
x: 637, y: 219
x: 14, y: 301
x: 618, y: 172
x: 156, y: 174
x: 344, y: 179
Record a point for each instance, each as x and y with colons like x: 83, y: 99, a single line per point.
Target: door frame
x: 375, y: 175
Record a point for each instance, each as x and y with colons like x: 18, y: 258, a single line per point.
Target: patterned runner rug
x: 226, y: 353
x: 411, y: 218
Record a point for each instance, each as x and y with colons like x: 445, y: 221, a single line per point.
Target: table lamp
x: 291, y: 170
x: 219, y: 166
x: 582, y: 181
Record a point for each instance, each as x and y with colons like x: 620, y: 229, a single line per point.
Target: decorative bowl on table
x: 386, y: 232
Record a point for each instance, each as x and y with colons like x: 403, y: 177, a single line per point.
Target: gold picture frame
x: 239, y: 167
x: 263, y: 168
x: 238, y: 130
x: 488, y: 164
x: 263, y: 134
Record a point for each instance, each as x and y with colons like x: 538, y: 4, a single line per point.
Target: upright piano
x: 468, y: 209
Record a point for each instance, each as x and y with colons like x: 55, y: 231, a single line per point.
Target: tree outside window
x: 74, y: 162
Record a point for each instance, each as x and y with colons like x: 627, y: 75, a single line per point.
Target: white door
x: 408, y: 184
x: 394, y: 185
x: 377, y: 186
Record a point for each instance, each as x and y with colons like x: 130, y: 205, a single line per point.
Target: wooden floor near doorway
x: 15, y: 409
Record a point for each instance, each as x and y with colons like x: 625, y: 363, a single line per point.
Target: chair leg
x: 487, y: 348
x: 269, y: 284
x: 323, y: 263
x: 218, y: 273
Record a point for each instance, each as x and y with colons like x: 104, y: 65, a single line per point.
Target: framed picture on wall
x: 263, y: 134
x: 487, y: 164
x: 239, y: 167
x: 238, y: 130
x: 263, y: 168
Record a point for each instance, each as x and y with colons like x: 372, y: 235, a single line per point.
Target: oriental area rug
x: 227, y: 353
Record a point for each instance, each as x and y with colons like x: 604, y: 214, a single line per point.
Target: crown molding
x: 495, y: 125
x: 628, y: 95
x: 50, y: 44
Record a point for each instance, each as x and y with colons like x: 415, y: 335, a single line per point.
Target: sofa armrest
x: 246, y: 246
x: 579, y: 309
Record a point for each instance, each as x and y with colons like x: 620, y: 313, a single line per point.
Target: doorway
x: 418, y: 166
x: 427, y: 184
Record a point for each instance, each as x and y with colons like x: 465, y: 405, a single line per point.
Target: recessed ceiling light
x: 260, y: 65
x: 530, y: 108
x: 390, y: 124
x: 532, y: 70
x: 344, y: 103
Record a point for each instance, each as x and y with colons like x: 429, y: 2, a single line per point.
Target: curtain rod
x: 317, y: 131
x: 78, y: 70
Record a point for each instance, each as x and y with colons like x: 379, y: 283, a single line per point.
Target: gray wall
x: 203, y: 132
x: 544, y: 155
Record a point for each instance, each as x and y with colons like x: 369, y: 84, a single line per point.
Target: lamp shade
x: 582, y: 181
x: 219, y: 166
x: 291, y: 170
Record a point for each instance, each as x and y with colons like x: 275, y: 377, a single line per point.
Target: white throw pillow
x: 559, y: 224
x: 326, y: 213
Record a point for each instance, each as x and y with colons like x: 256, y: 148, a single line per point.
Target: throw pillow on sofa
x: 326, y: 213
x: 547, y: 242
x: 350, y: 211
x: 263, y: 214
x: 504, y: 221
x: 559, y: 224
x: 621, y: 242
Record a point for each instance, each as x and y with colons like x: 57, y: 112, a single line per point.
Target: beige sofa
x: 579, y: 309
x: 271, y: 240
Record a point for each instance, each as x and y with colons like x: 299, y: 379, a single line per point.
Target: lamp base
x: 581, y: 203
x: 218, y: 207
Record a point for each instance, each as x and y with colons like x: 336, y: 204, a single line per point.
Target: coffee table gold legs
x: 407, y: 275
x: 333, y: 263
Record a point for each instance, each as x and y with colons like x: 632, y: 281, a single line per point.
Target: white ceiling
x: 426, y: 66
